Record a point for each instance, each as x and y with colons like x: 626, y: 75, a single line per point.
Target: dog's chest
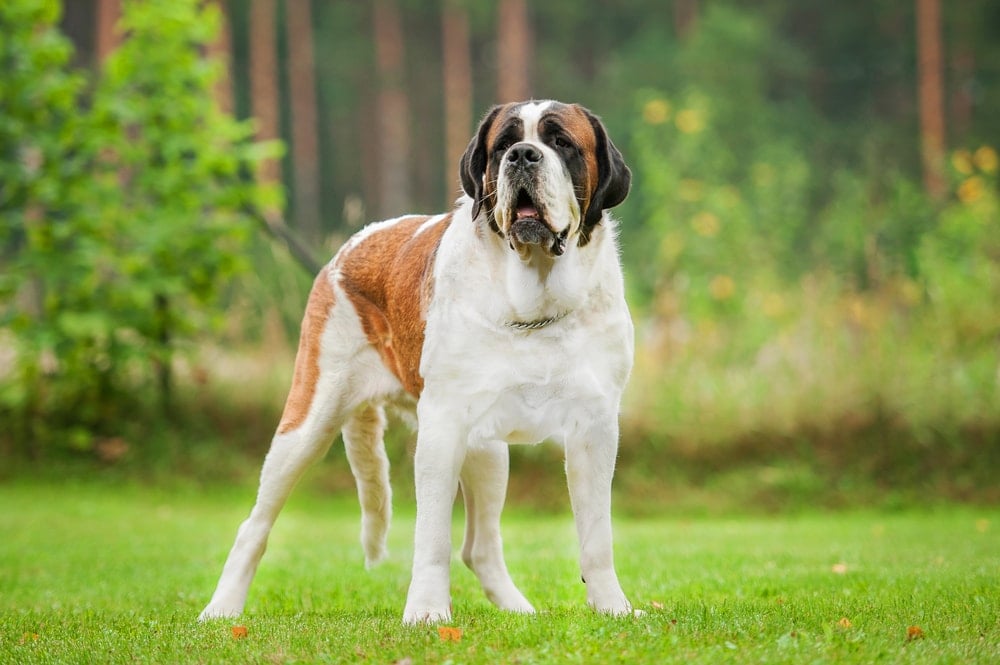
x: 526, y: 386
x: 523, y: 354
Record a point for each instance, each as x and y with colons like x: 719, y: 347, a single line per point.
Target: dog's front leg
x: 590, y: 466
x: 437, y: 463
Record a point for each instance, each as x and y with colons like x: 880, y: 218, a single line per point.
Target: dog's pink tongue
x: 527, y: 212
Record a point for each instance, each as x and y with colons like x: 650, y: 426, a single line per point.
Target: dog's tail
x: 370, y: 466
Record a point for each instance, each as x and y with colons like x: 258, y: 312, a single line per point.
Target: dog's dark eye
x: 561, y: 142
x: 502, y: 145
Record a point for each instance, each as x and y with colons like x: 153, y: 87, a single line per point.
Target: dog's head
x: 543, y: 173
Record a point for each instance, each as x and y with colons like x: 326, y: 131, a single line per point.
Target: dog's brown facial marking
x: 522, y: 160
x: 571, y: 133
x: 306, y: 374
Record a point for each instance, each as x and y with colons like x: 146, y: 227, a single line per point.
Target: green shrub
x: 793, y: 306
x: 125, y: 219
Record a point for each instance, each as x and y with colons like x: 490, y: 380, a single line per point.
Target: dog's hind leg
x: 370, y: 466
x: 484, y: 488
x: 316, y: 407
x: 290, y: 455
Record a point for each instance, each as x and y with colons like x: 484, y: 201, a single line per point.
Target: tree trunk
x: 264, y: 80
x: 221, y: 50
x: 108, y: 12
x: 685, y: 17
x: 457, y: 76
x: 305, y: 141
x: 393, y: 133
x: 963, y: 75
x: 931, y: 96
x: 514, y: 51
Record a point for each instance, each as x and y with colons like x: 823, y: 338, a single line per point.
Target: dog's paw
x: 610, y: 600
x: 219, y: 611
x: 375, y: 557
x: 522, y: 607
x: 620, y: 608
x: 511, y: 600
x: 422, y: 615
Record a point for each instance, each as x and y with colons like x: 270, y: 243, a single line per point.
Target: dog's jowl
x: 503, y: 321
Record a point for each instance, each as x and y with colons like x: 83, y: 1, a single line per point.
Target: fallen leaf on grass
x: 914, y: 633
x: 28, y: 637
x: 844, y: 622
x: 656, y: 605
x: 839, y: 568
x: 239, y: 632
x: 449, y: 634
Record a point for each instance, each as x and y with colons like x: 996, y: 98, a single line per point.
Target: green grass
x: 91, y: 573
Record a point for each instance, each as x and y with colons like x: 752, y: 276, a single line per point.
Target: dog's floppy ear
x: 613, y: 177
x: 473, y: 165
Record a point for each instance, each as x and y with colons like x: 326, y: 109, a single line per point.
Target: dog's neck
x: 538, y: 289
x: 537, y: 324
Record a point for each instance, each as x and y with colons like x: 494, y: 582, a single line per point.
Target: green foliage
x: 790, y: 297
x: 960, y: 258
x: 126, y: 217
x: 731, y: 164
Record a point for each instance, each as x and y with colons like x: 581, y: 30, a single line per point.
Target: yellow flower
x: 690, y: 190
x: 690, y: 121
x: 961, y: 161
x: 656, y: 111
x: 705, y: 224
x: 722, y: 287
x: 971, y: 190
x: 986, y: 159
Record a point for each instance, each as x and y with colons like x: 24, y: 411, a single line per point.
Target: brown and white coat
x: 505, y: 322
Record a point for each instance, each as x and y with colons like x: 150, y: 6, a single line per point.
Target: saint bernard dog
x: 504, y: 321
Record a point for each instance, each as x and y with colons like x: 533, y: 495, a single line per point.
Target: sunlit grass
x: 90, y: 574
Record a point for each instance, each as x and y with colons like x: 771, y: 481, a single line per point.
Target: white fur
x: 561, y: 383
x: 486, y: 384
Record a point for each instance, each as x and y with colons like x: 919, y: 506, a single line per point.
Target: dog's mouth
x: 530, y: 228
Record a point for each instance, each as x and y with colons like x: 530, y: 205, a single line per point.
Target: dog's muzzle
x: 528, y: 225
x: 533, y: 231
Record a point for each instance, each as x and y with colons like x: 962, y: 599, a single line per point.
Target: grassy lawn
x: 90, y: 573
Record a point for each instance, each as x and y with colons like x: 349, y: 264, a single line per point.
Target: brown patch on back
x: 306, y: 373
x: 387, y: 278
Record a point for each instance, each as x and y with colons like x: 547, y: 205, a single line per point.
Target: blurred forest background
x: 812, y: 241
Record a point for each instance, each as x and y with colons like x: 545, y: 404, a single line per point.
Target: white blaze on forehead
x: 531, y: 115
x: 554, y: 193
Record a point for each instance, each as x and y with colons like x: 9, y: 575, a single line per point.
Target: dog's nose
x: 524, y: 154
